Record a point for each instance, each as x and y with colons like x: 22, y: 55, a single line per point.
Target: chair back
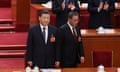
x: 102, y: 57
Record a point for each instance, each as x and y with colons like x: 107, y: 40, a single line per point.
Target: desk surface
x: 112, y: 69
x: 107, y: 41
x: 94, y: 33
x: 87, y: 70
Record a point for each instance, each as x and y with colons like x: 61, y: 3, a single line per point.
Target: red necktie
x: 74, y: 34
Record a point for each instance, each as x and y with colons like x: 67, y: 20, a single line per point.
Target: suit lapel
x: 40, y: 33
x: 49, y: 34
x: 78, y: 31
x: 69, y: 31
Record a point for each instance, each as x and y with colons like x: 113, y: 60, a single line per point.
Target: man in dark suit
x: 61, y: 8
x: 100, y: 13
x: 40, y: 45
x: 69, y: 48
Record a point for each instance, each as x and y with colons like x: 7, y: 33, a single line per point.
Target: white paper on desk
x: 118, y: 69
x: 109, y: 30
x: 48, y: 4
x: 51, y: 70
x: 101, y: 71
x: 83, y: 31
x: 100, y: 30
x: 116, y: 5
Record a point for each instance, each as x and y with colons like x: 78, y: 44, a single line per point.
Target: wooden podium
x: 94, y: 41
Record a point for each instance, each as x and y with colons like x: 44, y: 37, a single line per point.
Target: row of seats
x: 101, y: 57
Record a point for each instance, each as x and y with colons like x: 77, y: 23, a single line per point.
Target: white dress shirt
x: 71, y: 28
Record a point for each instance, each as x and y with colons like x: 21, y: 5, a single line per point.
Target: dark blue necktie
x: 43, y: 33
x: 66, y: 3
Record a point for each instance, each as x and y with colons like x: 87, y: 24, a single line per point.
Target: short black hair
x: 73, y: 13
x: 43, y: 12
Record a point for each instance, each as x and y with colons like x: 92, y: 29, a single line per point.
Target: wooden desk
x: 94, y: 41
x: 66, y: 70
x: 87, y: 70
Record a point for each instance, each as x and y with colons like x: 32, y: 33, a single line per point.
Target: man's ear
x: 39, y: 18
x: 69, y: 19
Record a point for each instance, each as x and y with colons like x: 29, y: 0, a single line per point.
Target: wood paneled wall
x: 21, y: 13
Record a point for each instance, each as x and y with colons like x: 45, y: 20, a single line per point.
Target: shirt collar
x: 46, y: 27
x: 71, y: 27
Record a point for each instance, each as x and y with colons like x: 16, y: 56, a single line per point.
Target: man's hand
x: 57, y: 64
x: 100, y: 6
x: 106, y: 6
x: 82, y: 59
x: 63, y: 5
x: 29, y: 63
x: 71, y: 6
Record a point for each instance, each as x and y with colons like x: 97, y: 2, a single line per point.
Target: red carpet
x: 13, y: 41
x: 9, y: 57
x: 12, y: 54
x: 5, y: 13
x: 6, y: 20
x: 12, y: 50
x: 17, y: 63
x: 13, y: 38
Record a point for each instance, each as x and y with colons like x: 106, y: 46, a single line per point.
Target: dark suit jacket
x: 39, y: 1
x: 103, y: 17
x: 61, y: 15
x: 83, y: 1
x: 41, y: 54
x: 68, y: 49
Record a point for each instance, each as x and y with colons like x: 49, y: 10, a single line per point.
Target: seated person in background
x: 61, y: 8
x: 100, y: 13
